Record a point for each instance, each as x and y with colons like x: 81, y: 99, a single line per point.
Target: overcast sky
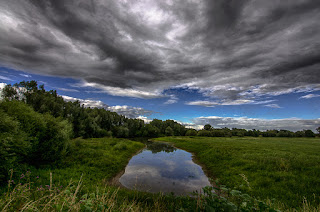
x: 234, y: 63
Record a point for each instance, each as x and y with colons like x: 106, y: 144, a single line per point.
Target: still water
x: 163, y: 168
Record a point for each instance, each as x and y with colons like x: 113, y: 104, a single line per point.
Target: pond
x: 163, y: 168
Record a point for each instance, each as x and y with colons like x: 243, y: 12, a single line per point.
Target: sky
x: 229, y: 63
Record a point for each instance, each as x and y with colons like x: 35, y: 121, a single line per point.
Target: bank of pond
x: 191, y: 174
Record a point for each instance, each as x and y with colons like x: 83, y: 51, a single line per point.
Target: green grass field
x: 287, y: 169
x: 81, y: 182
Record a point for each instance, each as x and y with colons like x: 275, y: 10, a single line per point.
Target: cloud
x: 309, y: 96
x: 67, y: 89
x: 293, y: 124
x: 5, y: 78
x: 273, y: 106
x: 86, y: 102
x: 128, y: 111
x: 145, y: 119
x: 226, y: 49
x: 117, y: 91
x: 25, y: 75
x: 2, y: 85
x: 227, y: 102
x: 173, y: 99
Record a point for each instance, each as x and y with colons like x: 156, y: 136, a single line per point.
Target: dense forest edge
x: 46, y: 139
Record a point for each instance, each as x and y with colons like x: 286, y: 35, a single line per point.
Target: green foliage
x: 122, y: 132
x: 120, y: 146
x: 169, y: 131
x: 150, y: 131
x: 9, y: 92
x: 221, y: 198
x: 54, y: 139
x: 286, y: 169
x: 205, y: 133
x: 46, y: 137
x: 207, y: 127
x: 191, y: 132
x: 309, y: 133
x: 87, y: 122
x: 14, y: 145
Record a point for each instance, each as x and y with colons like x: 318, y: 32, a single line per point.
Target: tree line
x: 209, y: 131
x: 88, y: 122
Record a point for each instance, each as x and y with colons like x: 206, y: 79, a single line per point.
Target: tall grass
x: 26, y: 197
x: 29, y: 197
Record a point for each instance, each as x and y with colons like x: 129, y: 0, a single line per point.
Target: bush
x: 205, y: 133
x: 14, y: 146
x: 46, y: 137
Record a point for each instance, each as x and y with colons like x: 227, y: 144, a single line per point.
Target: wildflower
x: 37, y: 177
x: 22, y: 176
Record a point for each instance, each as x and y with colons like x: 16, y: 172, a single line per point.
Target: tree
x: 169, y: 131
x: 191, y: 133
x: 207, y: 127
x: 318, y: 129
x: 309, y: 133
x: 122, y: 132
x: 206, y: 133
x: 9, y: 92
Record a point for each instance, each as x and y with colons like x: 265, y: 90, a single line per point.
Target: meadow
x: 285, y: 169
x: 82, y: 182
x: 265, y: 168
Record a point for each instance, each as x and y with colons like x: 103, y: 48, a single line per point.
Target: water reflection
x: 161, y: 167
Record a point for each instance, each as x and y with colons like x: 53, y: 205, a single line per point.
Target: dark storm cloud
x: 227, y: 49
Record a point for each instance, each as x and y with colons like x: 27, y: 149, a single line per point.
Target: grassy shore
x: 287, y: 169
x: 96, y: 159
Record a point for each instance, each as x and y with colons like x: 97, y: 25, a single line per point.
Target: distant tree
x: 299, y: 134
x: 191, y: 132
x: 318, y: 129
x: 206, y: 133
x: 207, y: 127
x: 169, y: 131
x: 150, y: 131
x: 122, y: 132
x: 309, y: 133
